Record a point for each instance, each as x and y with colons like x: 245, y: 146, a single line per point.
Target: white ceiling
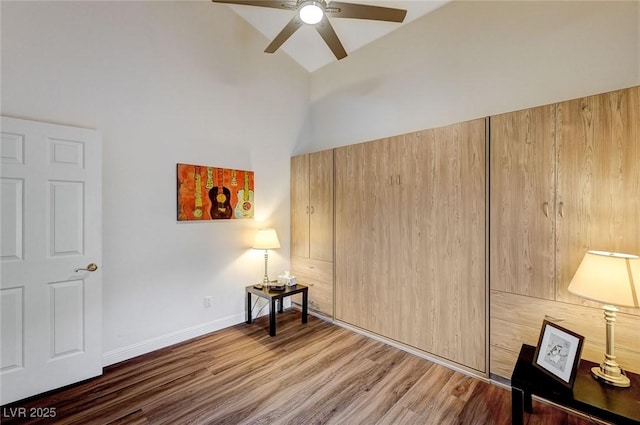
x: 306, y: 46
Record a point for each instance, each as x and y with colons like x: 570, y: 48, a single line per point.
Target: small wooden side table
x: 620, y: 406
x: 277, y: 296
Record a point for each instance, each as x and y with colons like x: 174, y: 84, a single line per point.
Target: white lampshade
x: 266, y: 239
x: 311, y: 12
x: 609, y: 278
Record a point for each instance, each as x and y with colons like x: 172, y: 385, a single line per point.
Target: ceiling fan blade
x: 331, y: 38
x: 362, y: 11
x: 284, y: 35
x: 282, y: 4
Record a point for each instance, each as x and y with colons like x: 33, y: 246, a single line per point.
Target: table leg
x: 280, y: 302
x: 528, y: 403
x: 249, y: 319
x: 517, y: 402
x: 272, y: 317
x: 305, y: 300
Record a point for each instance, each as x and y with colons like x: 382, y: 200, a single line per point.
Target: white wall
x: 170, y: 82
x: 165, y: 82
x: 472, y: 59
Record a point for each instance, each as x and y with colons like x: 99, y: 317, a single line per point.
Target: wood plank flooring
x: 317, y: 373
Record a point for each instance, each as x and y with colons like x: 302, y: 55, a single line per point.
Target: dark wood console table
x: 620, y: 406
x: 277, y: 296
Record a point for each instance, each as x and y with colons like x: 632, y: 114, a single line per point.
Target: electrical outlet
x: 207, y: 301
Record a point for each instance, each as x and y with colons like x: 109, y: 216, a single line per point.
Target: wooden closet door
x: 448, y: 254
x: 362, y: 248
x: 300, y: 206
x: 598, y: 181
x: 408, y: 294
x: 522, y: 206
x: 321, y: 205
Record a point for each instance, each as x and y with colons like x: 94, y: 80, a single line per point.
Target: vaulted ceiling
x: 306, y: 46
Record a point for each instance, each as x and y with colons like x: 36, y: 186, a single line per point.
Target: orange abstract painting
x: 213, y: 193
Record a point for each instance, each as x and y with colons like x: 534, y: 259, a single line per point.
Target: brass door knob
x: 91, y: 267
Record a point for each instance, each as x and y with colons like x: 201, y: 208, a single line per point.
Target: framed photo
x: 558, y: 353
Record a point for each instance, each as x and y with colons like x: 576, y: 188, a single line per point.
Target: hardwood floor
x: 317, y: 373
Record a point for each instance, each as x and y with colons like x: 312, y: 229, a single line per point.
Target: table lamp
x: 266, y: 239
x: 613, y: 279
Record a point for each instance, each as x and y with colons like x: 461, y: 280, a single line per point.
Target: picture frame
x: 558, y: 353
x: 214, y: 193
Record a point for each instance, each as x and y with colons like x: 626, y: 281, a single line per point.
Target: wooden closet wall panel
x: 595, y: 158
x: 362, y: 275
x: 448, y: 222
x: 410, y: 153
x: 517, y: 319
x: 321, y: 204
x: 312, y: 227
x: 299, y: 206
x: 318, y: 275
x: 598, y: 181
x: 410, y: 240
x: 523, y: 202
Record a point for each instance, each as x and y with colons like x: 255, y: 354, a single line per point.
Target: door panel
x: 12, y: 302
x: 66, y: 219
x: 364, y: 203
x: 443, y: 222
x: 408, y: 209
x: 66, y: 304
x: 51, y: 226
x: 300, y: 206
x: 321, y: 204
x: 598, y: 181
x: 12, y: 213
x: 523, y: 202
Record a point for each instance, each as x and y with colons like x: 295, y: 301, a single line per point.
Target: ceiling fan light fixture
x: 311, y: 12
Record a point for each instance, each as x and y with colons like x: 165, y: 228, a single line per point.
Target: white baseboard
x: 149, y: 345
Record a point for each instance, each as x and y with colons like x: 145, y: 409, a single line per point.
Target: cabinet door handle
x: 312, y: 209
x: 398, y: 179
x: 561, y: 209
x: 545, y: 208
x: 391, y: 180
x: 307, y: 209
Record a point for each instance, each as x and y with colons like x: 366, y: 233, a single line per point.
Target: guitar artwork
x: 209, y: 184
x: 244, y: 206
x: 220, y: 198
x: 197, y: 211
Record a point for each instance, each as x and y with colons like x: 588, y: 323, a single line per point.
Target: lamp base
x: 617, y: 381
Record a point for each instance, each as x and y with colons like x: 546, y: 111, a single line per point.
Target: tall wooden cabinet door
x: 312, y: 227
x: 406, y: 291
x: 443, y: 243
x: 598, y: 180
x: 522, y: 202
x: 300, y: 206
x: 321, y: 205
x: 363, y: 208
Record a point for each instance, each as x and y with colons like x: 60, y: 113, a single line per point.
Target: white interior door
x: 50, y: 213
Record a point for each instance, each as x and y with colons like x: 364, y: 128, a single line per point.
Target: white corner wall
x: 165, y: 82
x: 470, y: 59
